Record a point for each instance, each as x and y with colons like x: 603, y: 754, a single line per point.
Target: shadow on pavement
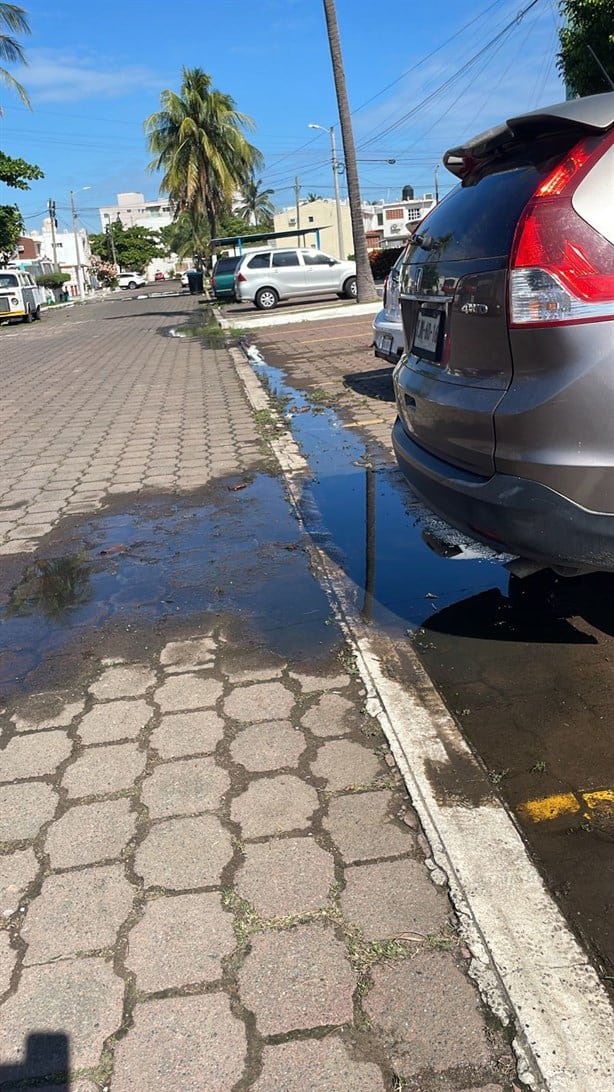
x: 47, y: 1055
x: 376, y: 383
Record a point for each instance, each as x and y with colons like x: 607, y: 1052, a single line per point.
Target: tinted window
x: 226, y: 265
x: 288, y: 257
x: 315, y: 257
x: 7, y: 280
x: 476, y: 221
x: 259, y: 261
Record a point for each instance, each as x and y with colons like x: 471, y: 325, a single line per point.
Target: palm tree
x: 256, y: 205
x: 311, y: 197
x: 13, y: 19
x: 364, y: 277
x: 197, y: 140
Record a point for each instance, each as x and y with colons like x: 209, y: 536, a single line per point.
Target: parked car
x: 505, y: 398
x: 158, y: 276
x: 20, y: 296
x: 388, y: 343
x: 131, y: 280
x: 223, y: 277
x: 268, y: 276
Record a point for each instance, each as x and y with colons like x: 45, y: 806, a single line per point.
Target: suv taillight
x: 385, y: 294
x: 561, y: 268
x: 241, y: 277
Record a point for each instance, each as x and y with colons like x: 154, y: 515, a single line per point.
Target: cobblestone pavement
x: 211, y: 877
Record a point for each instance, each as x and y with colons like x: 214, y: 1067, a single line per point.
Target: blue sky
x: 420, y: 78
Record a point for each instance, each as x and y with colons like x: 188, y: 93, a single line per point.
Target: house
x: 134, y: 211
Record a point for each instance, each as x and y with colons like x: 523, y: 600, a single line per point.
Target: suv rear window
x: 259, y: 261
x: 226, y: 265
x: 477, y: 221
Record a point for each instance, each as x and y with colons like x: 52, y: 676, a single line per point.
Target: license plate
x: 427, y: 335
x: 384, y: 343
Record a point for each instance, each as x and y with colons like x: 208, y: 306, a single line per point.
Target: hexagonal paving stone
x: 180, y: 940
x: 271, y: 746
x: 188, y: 1043
x: 271, y: 805
x: 178, y: 854
x: 17, y: 871
x: 184, y: 692
x: 88, y: 833
x: 344, y: 763
x: 286, y: 876
x: 262, y: 701
x: 24, y: 808
x: 362, y: 828
x: 34, y: 755
x: 48, y: 710
x: 123, y: 681
x: 420, y: 1006
x: 77, y: 912
x: 102, y: 770
x: 316, y: 1065
x: 331, y: 715
x: 300, y: 978
x: 114, y: 720
x: 182, y: 734
x: 188, y: 655
x: 185, y: 787
x: 407, y: 900
x: 82, y: 999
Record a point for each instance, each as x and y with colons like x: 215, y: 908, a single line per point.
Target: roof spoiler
x: 596, y: 112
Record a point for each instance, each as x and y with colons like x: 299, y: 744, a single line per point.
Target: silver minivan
x: 505, y: 397
x: 268, y: 276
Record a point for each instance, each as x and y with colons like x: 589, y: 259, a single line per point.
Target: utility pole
x: 54, y: 224
x: 111, y: 238
x: 76, y: 238
x: 333, y: 149
x: 297, y: 190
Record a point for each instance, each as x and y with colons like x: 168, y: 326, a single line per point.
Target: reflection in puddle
x: 51, y: 587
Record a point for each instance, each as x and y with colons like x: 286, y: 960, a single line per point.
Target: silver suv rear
x: 505, y: 398
x: 268, y: 276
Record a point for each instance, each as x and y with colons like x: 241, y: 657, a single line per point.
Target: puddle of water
x: 238, y: 553
x: 203, y: 327
x: 360, y: 510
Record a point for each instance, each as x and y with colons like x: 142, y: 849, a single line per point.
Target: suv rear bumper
x: 508, y: 513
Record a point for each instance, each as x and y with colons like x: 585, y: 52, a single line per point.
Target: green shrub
x: 52, y: 280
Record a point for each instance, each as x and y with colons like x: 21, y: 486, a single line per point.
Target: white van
x: 20, y: 296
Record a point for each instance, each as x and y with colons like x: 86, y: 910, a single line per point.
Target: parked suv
x: 388, y: 341
x: 223, y: 278
x: 505, y: 397
x: 131, y: 280
x: 268, y: 276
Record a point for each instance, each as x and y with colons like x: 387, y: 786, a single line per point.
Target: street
x: 221, y: 629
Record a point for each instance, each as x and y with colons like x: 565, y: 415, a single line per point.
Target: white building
x: 72, y: 255
x: 134, y: 211
x: 392, y: 222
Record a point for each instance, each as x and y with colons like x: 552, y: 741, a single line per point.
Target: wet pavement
x: 526, y: 668
x: 211, y: 875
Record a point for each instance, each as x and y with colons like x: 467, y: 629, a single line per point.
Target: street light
x: 76, y: 238
x: 333, y: 149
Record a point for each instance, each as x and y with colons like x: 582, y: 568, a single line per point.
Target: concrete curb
x: 526, y: 961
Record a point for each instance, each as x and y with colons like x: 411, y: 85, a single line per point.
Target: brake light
x: 241, y: 277
x: 385, y: 293
x: 561, y: 268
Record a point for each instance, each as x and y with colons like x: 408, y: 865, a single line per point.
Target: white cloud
x: 53, y: 76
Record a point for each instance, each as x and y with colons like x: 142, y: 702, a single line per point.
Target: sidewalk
x: 211, y: 876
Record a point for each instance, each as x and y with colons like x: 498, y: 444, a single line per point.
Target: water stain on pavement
x: 235, y: 550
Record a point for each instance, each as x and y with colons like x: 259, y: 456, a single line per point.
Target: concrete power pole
x: 297, y: 190
x: 76, y: 238
x: 54, y: 245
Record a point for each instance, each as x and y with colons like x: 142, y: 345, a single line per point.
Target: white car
x: 265, y: 277
x: 131, y: 280
x: 388, y: 341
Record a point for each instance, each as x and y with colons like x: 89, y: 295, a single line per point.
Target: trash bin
x: 195, y: 282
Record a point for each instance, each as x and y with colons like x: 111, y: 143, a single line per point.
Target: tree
x: 198, y: 142
x: 13, y: 172
x: 364, y: 276
x: 187, y: 236
x: 311, y: 197
x: 11, y: 230
x: 256, y: 206
x: 13, y: 19
x: 135, y: 247
x: 589, y: 23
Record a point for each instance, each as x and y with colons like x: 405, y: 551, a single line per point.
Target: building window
x: 394, y: 214
x: 380, y: 219
x: 414, y: 214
